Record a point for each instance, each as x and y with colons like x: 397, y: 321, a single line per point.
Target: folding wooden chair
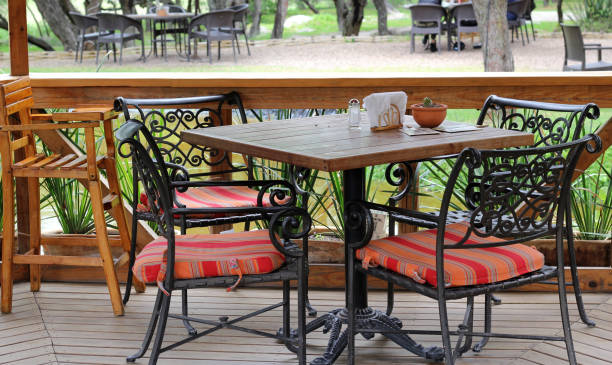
x: 17, y: 140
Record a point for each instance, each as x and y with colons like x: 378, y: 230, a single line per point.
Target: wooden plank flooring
x: 74, y: 324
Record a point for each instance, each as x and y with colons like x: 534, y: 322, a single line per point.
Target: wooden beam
x: 18, y: 34
x: 586, y: 159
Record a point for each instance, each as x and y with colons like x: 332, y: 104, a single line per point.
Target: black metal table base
x: 371, y: 319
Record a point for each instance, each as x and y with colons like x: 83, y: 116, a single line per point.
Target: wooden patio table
x: 326, y: 143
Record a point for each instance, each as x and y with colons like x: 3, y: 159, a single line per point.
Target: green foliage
x: 591, y: 201
x: 427, y: 102
x: 71, y: 204
x: 593, y: 15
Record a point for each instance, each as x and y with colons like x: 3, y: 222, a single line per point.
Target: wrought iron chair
x: 491, y: 237
x: 113, y: 28
x: 575, y: 50
x: 84, y: 22
x: 426, y: 19
x: 239, y: 24
x: 551, y: 124
x: 195, y: 261
x: 218, y: 26
x: 165, y: 118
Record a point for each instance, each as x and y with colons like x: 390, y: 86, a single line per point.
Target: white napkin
x: 385, y: 109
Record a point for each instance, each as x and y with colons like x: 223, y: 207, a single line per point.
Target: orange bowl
x: 428, y: 117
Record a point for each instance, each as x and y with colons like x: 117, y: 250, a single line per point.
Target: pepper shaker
x: 353, y: 113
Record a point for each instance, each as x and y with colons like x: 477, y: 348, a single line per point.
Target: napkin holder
x: 385, y: 110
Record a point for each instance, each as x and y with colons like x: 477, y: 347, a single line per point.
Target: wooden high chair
x: 16, y: 101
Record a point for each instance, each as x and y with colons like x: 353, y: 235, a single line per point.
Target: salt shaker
x: 353, y: 113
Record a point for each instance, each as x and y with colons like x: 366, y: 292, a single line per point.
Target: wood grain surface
x: 326, y: 143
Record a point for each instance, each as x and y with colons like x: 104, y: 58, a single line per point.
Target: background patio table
x: 326, y: 143
x: 151, y: 18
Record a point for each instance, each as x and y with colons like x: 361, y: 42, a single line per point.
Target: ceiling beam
x: 18, y: 34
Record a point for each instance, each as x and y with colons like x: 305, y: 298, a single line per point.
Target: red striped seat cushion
x: 209, y: 255
x: 216, y: 197
x: 414, y: 255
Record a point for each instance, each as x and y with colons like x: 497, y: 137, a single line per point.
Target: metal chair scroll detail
x: 16, y: 101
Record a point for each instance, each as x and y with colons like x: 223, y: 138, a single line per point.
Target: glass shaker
x: 353, y: 113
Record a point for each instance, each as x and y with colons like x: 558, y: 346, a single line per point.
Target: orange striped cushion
x: 216, y: 197
x: 208, y: 255
x: 414, y: 255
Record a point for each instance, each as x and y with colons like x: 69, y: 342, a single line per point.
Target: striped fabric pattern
x: 215, y: 197
x: 414, y: 255
x: 209, y: 255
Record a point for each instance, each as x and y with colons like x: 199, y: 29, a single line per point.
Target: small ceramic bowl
x: 428, y: 117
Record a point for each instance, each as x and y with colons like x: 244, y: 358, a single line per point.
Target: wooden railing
x: 281, y: 90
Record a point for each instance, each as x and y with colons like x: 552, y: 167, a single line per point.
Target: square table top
x: 326, y: 143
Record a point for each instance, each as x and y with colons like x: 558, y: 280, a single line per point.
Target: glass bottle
x: 353, y: 113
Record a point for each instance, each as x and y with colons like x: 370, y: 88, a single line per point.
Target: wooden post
x: 18, y: 34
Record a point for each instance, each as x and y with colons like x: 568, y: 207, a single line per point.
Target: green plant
x: 591, y: 200
x: 427, y: 103
x: 71, y: 204
x: 593, y: 15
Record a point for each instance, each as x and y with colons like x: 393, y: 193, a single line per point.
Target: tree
x: 493, y: 26
x: 279, y: 19
x: 55, y: 13
x: 381, y: 10
x: 350, y: 15
x: 217, y: 4
x: 255, y: 11
x: 39, y: 42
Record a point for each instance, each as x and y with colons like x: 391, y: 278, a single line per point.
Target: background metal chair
x: 261, y: 256
x: 239, y: 24
x: 462, y: 20
x: 83, y: 23
x: 218, y: 25
x: 516, y: 19
x: 441, y: 263
x: 575, y: 50
x: 551, y: 124
x: 109, y: 25
x: 426, y: 19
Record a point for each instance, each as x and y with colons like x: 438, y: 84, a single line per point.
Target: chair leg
x: 130, y: 274
x: 412, y: 43
x: 218, y: 50
x: 312, y: 312
x: 76, y: 52
x: 121, y: 52
x: 567, y: 331
x: 208, y: 53
x: 574, y: 270
x: 487, y: 323
x: 246, y: 41
x: 234, y: 50
x: 237, y: 43
x: 8, y: 240
x: 150, y: 329
x: 532, y: 30
x: 34, y: 218
x: 83, y: 46
x: 104, y: 247
x: 185, y: 311
x: 161, y: 328
x: 115, y: 53
x: 467, y: 325
x: 446, y: 342
x: 390, y: 298
x: 98, y: 52
x: 302, y: 301
x: 286, y: 330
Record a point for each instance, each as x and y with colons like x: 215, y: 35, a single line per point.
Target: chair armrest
x: 290, y: 224
x: 48, y: 126
x: 589, y: 45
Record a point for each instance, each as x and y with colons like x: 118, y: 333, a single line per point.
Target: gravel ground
x: 364, y: 53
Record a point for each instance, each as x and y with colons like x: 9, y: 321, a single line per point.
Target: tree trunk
x: 560, y: 11
x: 350, y: 14
x: 92, y: 6
x: 58, y: 21
x: 217, y: 4
x: 255, y: 18
x: 39, y: 42
x: 493, y: 26
x: 381, y: 9
x: 340, y: 16
x: 279, y: 19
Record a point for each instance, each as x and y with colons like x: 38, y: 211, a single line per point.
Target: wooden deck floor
x: 73, y: 323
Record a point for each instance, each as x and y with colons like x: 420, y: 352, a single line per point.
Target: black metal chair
x: 575, y: 50
x: 426, y: 19
x: 83, y: 23
x: 184, y: 262
x: 239, y: 24
x: 551, y: 124
x: 516, y: 19
x: 218, y: 25
x: 113, y: 29
x: 165, y: 119
x: 467, y: 253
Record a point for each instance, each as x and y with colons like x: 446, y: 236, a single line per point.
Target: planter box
x: 588, y: 252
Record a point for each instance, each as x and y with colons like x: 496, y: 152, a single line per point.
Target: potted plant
x: 428, y: 114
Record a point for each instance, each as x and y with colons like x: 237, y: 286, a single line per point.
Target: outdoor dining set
x: 166, y: 24
x: 514, y: 169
